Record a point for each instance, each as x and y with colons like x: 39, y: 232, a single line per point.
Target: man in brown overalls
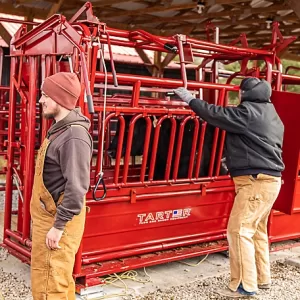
x: 62, y: 177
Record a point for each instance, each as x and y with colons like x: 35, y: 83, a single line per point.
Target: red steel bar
x: 194, y: 146
x: 179, y: 146
x: 99, y: 161
x: 146, y: 148
x: 17, y: 247
x: 200, y: 149
x: 30, y: 142
x: 154, y: 248
x: 163, y: 82
x: 16, y: 236
x: 171, y: 148
x: 215, y: 140
x: 10, y: 150
x: 119, y: 149
x: 128, y: 146
x: 154, y: 146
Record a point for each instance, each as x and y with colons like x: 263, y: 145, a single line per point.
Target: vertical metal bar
x: 279, y: 74
x: 200, y: 78
x: 99, y: 160
x: 95, y: 50
x: 269, y: 66
x: 215, y: 140
x: 193, y: 149
x: 182, y: 63
x: 1, y: 64
x: 179, y: 146
x: 146, y: 148
x: 136, y: 93
x: 10, y: 148
x: 154, y: 146
x: 113, y: 70
x: 44, y: 123
x: 128, y: 147
x: 221, y: 148
x: 30, y: 144
x: 171, y: 148
x: 200, y: 149
x: 213, y: 152
x: 221, y: 143
x: 107, y: 141
x: 119, y: 148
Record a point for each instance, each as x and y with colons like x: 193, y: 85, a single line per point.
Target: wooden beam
x: 250, y: 21
x: 149, y: 65
x: 221, y: 2
x: 5, y: 34
x: 290, y: 56
x: 254, y: 35
x: 126, y: 26
x: 6, y: 8
x: 224, y: 13
x: 147, y: 10
x: 29, y: 18
x: 168, y: 58
x: 111, y: 2
x: 55, y: 8
x: 295, y: 6
x: 251, y: 28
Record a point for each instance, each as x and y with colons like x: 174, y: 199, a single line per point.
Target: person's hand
x: 184, y: 94
x: 53, y: 237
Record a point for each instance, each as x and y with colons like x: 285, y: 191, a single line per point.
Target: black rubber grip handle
x: 171, y: 47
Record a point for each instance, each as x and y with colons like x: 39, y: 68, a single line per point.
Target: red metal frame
x: 139, y: 215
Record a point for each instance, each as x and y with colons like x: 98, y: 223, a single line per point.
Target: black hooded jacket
x: 254, y: 132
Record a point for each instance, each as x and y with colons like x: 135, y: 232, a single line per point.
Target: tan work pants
x: 247, y: 230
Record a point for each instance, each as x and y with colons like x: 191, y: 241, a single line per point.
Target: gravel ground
x: 285, y: 285
x: 2, y: 200
x: 11, y: 288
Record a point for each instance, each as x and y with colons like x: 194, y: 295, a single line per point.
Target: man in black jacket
x: 253, y: 155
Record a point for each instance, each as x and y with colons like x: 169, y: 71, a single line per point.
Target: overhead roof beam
x: 295, y: 6
x: 5, y: 34
x: 147, y: 10
x: 6, y: 8
x: 55, y: 8
x: 111, y: 2
x: 224, y: 13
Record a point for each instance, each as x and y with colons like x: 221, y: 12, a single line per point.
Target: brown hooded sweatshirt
x: 67, y: 165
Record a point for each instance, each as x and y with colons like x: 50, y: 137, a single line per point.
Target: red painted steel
x: 142, y: 220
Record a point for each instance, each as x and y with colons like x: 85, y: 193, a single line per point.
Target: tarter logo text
x: 163, y: 216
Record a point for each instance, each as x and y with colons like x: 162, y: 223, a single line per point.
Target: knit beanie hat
x: 249, y: 83
x: 64, y: 88
x: 255, y: 90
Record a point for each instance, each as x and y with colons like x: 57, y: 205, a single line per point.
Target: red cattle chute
x: 138, y: 214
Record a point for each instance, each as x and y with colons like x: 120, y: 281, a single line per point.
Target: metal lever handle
x: 170, y: 93
x: 100, y: 180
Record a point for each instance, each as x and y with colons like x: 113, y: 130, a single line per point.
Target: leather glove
x: 184, y: 94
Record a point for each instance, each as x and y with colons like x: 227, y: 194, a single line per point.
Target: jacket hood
x: 75, y: 117
x: 260, y: 92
